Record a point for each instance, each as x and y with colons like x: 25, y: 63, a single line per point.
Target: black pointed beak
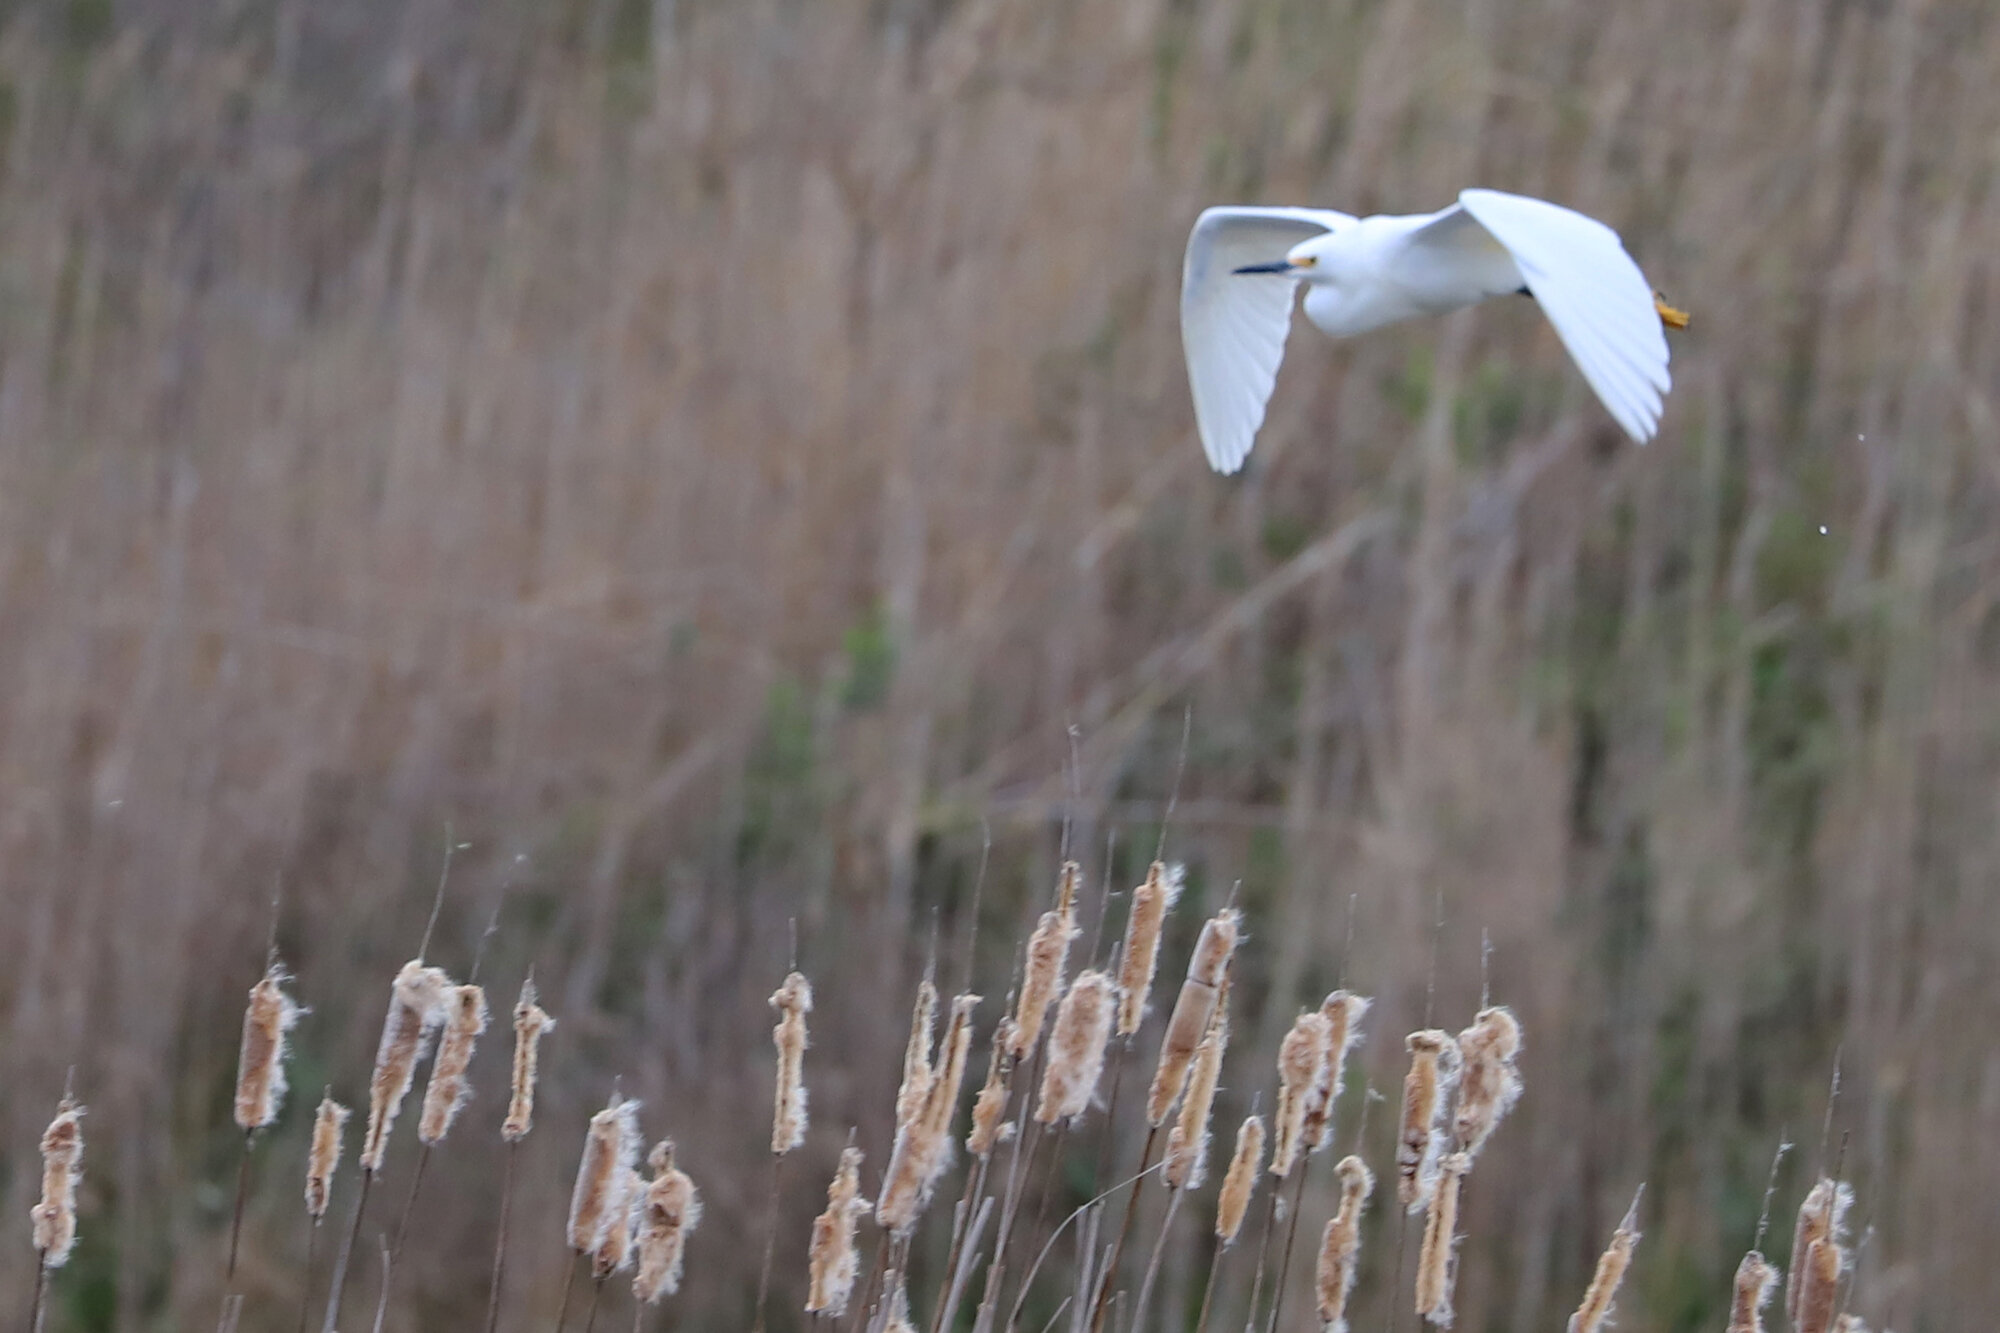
x: 1282, y: 266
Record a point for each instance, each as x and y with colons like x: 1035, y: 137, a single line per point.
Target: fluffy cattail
x: 922, y: 1148
x: 610, y: 1147
x: 793, y: 1001
x: 62, y: 1167
x: 1754, y: 1280
x: 1048, y: 954
x: 1850, y: 1323
x: 1240, y: 1180
x: 1822, y: 1264
x: 1140, y: 957
x: 989, y: 1108
x: 260, y: 1068
x: 1435, y: 1261
x: 899, y: 1307
x: 1302, y: 1061
x: 329, y: 1125
x: 530, y: 1022
x: 1820, y: 1217
x: 833, y: 1261
x: 1193, y: 1008
x: 1340, y: 1246
x: 671, y: 1210
x: 1426, y: 1094
x: 465, y: 1019
x: 1187, y: 1142
x: 614, y: 1251
x: 1489, y: 1083
x: 1611, y: 1265
x: 1343, y: 1012
x: 416, y: 1007
x: 917, y: 1055
x: 1076, y: 1047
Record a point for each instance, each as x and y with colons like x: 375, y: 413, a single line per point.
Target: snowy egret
x: 1244, y: 264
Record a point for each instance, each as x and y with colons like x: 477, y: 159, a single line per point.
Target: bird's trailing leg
x: 1672, y: 318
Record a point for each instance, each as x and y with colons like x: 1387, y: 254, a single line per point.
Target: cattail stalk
x: 1590, y: 1317
x: 1820, y: 1217
x: 1435, y: 1261
x: 671, y: 1211
x: 1139, y: 959
x: 922, y: 1148
x: 260, y: 1078
x: 1755, y: 1278
x: 1048, y: 955
x: 1340, y: 1244
x: 1193, y: 1008
x: 464, y: 1022
x: 917, y: 1072
x: 62, y: 1168
x: 614, y: 1251
x: 989, y: 1108
x: 1239, y: 1182
x: 1427, y: 1089
x: 1302, y: 1062
x: 1076, y: 1047
x: 792, y: 1001
x: 329, y: 1130
x: 1489, y: 1084
x: 610, y: 1147
x: 1187, y: 1142
x: 531, y: 1023
x: 1823, y: 1263
x: 833, y: 1261
x: 1343, y: 1013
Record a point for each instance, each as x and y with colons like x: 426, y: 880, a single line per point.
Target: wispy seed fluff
x: 610, y: 1147
x: 1343, y: 1012
x: 1611, y: 1265
x: 416, y: 1008
x: 916, y: 1083
x: 1048, y: 955
x: 329, y: 1125
x: 1820, y: 1218
x: 1823, y: 1261
x: 922, y: 1148
x: 671, y: 1210
x: 1850, y: 1323
x: 530, y: 1022
x: 465, y: 1019
x: 833, y: 1261
x: 1426, y: 1095
x: 1302, y: 1061
x: 260, y: 1067
x: 1435, y: 1262
x: 1193, y: 1008
x: 1340, y: 1245
x: 1754, y: 1280
x: 1187, y: 1142
x: 62, y: 1167
x: 793, y: 1001
x: 1076, y: 1047
x: 1489, y: 1085
x: 1140, y: 957
x: 1240, y: 1180
x: 614, y: 1251
x: 989, y: 1124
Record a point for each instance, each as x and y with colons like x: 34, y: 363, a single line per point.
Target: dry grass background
x: 708, y: 452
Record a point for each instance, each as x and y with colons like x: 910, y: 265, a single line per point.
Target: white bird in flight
x: 1362, y: 273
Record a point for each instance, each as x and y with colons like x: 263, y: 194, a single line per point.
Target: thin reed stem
x: 1103, y: 1303
x: 500, y: 1245
x: 770, y: 1240
x: 1208, y: 1289
x: 1291, y: 1235
x: 41, y: 1294
x: 875, y: 1273
x: 242, y: 1192
x: 596, y: 1295
x: 332, y: 1320
x: 569, y: 1285
x: 1028, y: 1281
x: 961, y: 1222
x: 410, y: 1202
x: 306, y: 1287
x: 1109, y: 1141
x: 1264, y: 1251
x: 1153, y: 1265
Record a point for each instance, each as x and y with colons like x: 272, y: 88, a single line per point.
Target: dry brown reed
x: 1193, y: 1008
x: 833, y: 1261
x: 1755, y: 1278
x: 916, y: 1083
x: 1599, y: 1297
x: 1820, y: 1217
x: 1340, y: 1244
x: 1076, y: 1047
x: 531, y: 1023
x: 990, y: 1126
x: 922, y: 1148
x: 54, y: 1214
x: 670, y: 1211
x: 610, y: 1147
x: 1426, y: 1094
x: 329, y: 1126
x: 1343, y: 1011
x: 1139, y: 958
x: 614, y: 1247
x: 260, y: 1067
x: 416, y: 1008
x: 1489, y: 1084
x: 465, y: 1020
x: 1239, y: 1182
x: 792, y: 1001
x: 1302, y: 1063
x: 1436, y: 1261
x: 1047, y: 956
x: 1187, y: 1143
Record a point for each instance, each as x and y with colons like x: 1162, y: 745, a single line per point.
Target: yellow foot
x: 1672, y: 318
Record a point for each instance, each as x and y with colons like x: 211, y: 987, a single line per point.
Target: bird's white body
x: 1244, y: 266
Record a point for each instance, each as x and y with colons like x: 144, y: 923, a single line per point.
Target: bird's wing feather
x: 1233, y: 328
x: 1593, y: 293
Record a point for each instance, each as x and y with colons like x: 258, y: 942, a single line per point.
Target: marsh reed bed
x: 1021, y: 1252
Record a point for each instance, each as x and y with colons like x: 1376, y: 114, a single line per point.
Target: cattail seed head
x: 54, y: 1215
x: 922, y: 1148
x: 672, y: 1209
x: 1590, y: 1316
x: 1340, y: 1244
x: 917, y: 1055
x: 1193, y: 1008
x: 1426, y: 1093
x: 465, y: 1019
x: 1436, y: 1261
x: 1490, y: 1084
x: 416, y: 1008
x: 614, y: 1251
x: 610, y: 1147
x: 989, y: 1108
x: 329, y: 1125
x: 1140, y: 957
x: 1048, y: 954
x: 530, y: 1022
x: 1187, y: 1142
x: 1820, y: 1266
x: 833, y: 1262
x: 1240, y: 1181
x: 260, y: 1068
x: 793, y: 1001
x: 1343, y: 1012
x: 1754, y: 1280
x: 1302, y: 1061
x: 898, y: 1306
x: 1821, y: 1216
x: 1076, y: 1047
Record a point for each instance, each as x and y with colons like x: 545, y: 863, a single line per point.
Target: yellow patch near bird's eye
x: 1305, y: 261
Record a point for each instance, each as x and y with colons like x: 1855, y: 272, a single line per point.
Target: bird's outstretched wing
x: 1588, y: 286
x: 1233, y: 327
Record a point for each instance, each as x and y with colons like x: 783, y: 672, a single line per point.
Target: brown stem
x: 961, y: 1220
x: 1103, y: 1302
x: 500, y: 1245
x: 868, y: 1288
x: 410, y: 1203
x: 242, y: 1190
x: 1208, y: 1290
x: 1153, y: 1265
x: 346, y: 1256
x: 1291, y: 1235
x: 1264, y: 1251
x: 305, y: 1295
x: 596, y: 1294
x: 569, y: 1284
x: 41, y: 1293
x: 770, y: 1241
